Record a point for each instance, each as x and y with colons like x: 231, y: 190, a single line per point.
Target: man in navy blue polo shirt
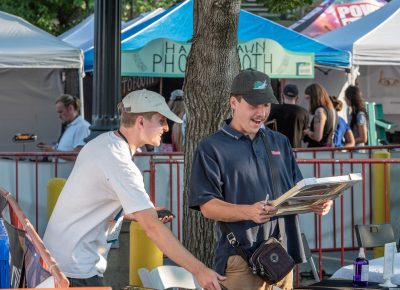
x: 231, y: 178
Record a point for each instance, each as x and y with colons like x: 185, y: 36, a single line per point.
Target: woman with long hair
x: 358, y: 114
x: 323, y: 124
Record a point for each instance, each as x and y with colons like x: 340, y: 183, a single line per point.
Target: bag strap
x: 233, y: 241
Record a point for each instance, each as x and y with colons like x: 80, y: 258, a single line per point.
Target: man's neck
x: 128, y: 134
x: 288, y: 100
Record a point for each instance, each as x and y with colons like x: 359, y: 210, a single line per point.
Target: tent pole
x: 80, y: 79
x: 161, y: 86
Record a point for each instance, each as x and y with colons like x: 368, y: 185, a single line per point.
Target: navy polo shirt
x: 230, y: 166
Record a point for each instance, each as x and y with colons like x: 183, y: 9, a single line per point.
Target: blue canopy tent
x: 176, y: 26
x: 82, y: 35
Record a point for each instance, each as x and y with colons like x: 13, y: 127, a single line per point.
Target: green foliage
x: 283, y: 6
x: 132, y: 8
x: 54, y: 16
x: 57, y: 16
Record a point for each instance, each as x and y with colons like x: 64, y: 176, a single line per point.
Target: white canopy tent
x: 31, y: 61
x: 373, y: 40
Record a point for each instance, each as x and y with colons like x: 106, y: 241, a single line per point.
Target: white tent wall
x: 27, y: 107
x: 381, y: 84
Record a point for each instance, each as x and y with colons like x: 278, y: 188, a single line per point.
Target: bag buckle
x: 232, y: 239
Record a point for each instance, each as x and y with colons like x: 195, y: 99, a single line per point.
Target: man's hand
x: 208, y: 279
x: 261, y: 212
x: 45, y: 147
x: 164, y: 220
x: 323, y: 208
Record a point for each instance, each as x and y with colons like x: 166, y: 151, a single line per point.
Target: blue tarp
x: 177, y: 24
x: 82, y: 35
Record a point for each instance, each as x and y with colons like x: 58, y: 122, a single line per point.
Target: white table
x: 375, y: 271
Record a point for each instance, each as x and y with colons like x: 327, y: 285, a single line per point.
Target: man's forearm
x: 219, y: 210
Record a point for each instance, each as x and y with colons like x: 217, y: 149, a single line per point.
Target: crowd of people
x: 327, y: 128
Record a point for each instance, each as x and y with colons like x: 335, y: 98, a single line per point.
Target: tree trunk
x: 212, y: 64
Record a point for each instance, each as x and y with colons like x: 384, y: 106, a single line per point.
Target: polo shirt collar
x: 231, y: 131
x: 74, y: 121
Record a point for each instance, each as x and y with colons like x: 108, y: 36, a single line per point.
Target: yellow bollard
x: 143, y: 253
x: 379, y: 216
x: 54, y: 187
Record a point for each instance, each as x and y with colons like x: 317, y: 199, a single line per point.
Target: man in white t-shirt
x: 105, y: 180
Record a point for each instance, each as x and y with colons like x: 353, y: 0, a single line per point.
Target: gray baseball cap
x: 143, y: 101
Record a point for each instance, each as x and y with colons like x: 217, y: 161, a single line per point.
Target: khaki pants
x: 239, y: 277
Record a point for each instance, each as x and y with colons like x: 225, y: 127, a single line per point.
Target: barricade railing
x: 20, y: 221
x: 29, y: 172
x: 344, y: 166
x: 163, y: 175
x: 368, y: 150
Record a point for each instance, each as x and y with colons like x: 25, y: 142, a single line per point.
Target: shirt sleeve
x: 361, y: 119
x: 205, y: 180
x: 80, y: 134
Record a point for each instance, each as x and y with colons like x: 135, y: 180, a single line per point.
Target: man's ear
x: 233, y: 102
x: 140, y: 121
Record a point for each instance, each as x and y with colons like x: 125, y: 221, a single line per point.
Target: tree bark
x: 212, y: 64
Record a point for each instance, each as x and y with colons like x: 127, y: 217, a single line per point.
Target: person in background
x: 105, y: 186
x: 231, y: 176
x: 358, y: 114
x: 343, y: 135
x: 323, y: 124
x: 178, y: 107
x: 291, y: 119
x: 74, y: 128
x: 172, y: 141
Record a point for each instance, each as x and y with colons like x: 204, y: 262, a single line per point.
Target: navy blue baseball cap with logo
x: 254, y: 86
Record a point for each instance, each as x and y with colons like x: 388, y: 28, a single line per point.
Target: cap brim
x: 170, y: 115
x: 262, y: 98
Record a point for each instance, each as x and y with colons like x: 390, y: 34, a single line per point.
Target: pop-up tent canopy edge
x: 175, y: 29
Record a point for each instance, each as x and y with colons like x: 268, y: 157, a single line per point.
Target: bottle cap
x: 361, y: 253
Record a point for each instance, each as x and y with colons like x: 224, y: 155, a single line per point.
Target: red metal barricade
x: 163, y: 174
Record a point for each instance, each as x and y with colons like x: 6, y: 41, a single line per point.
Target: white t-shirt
x: 104, y: 178
x: 74, y: 135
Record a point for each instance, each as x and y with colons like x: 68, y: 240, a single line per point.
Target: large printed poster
x: 166, y: 58
x: 332, y: 14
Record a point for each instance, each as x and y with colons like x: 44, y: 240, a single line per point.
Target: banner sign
x: 165, y: 58
x: 332, y: 14
x: 347, y: 13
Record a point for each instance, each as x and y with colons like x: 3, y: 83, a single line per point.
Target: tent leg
x: 80, y: 79
x: 161, y: 86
